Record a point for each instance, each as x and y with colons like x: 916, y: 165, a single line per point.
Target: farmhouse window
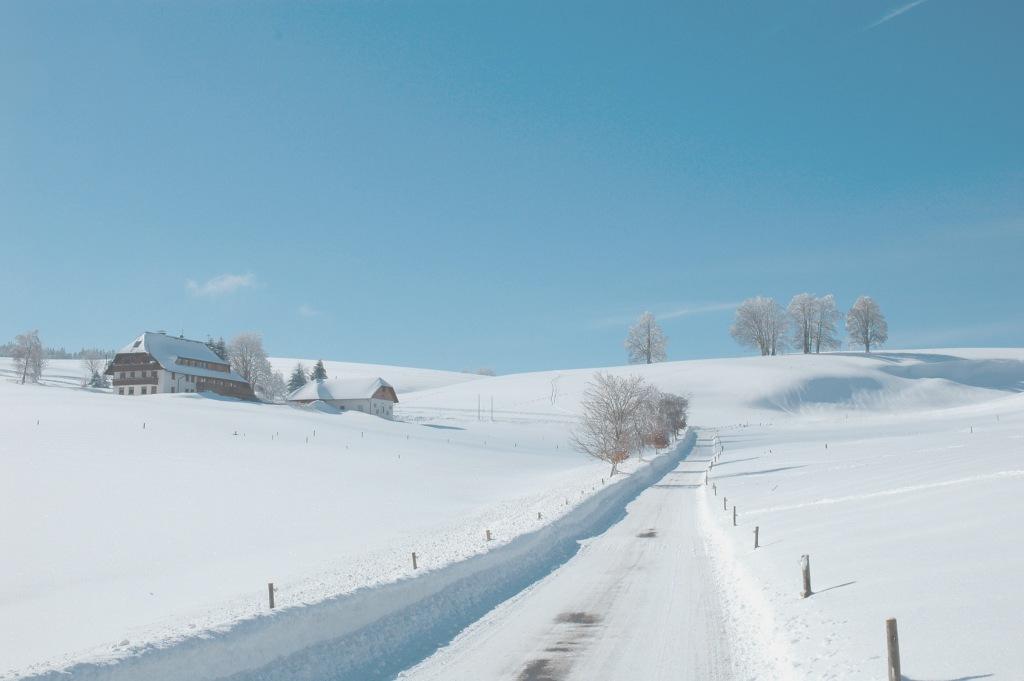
x: 131, y: 390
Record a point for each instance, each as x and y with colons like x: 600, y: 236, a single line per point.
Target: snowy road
x: 637, y: 602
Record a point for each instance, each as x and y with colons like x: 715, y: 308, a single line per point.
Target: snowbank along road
x: 637, y: 602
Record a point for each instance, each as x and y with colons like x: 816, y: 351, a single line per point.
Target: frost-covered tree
x: 802, y: 313
x: 219, y: 347
x: 93, y: 367
x: 823, y: 330
x: 29, y: 360
x: 672, y: 413
x: 760, y: 323
x: 297, y: 378
x: 274, y: 387
x: 249, y: 359
x: 645, y: 341
x: 866, y: 325
x: 607, y: 425
x: 319, y: 373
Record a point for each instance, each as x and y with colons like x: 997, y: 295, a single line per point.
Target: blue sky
x: 506, y: 184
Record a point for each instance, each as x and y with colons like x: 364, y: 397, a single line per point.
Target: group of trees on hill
x: 621, y: 416
x: 809, y: 324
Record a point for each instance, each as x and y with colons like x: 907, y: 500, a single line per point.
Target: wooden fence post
x: 714, y: 488
x: 705, y: 478
x: 488, y: 535
x: 892, y: 641
x: 270, y: 592
x: 725, y: 501
x: 538, y: 515
x: 414, y: 566
x: 734, y: 515
x: 805, y: 570
x: 756, y: 530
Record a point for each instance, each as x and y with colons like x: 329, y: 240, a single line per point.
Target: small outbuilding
x: 370, y: 395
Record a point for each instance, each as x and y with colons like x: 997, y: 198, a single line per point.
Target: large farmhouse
x: 157, y: 363
x: 370, y: 395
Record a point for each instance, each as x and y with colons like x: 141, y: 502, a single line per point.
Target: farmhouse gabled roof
x: 166, y: 350
x: 354, y: 388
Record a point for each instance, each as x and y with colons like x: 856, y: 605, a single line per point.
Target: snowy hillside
x: 404, y: 379
x: 141, y: 522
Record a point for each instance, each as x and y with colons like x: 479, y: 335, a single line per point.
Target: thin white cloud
x: 220, y: 285
x: 892, y: 14
x: 669, y: 313
x: 688, y: 310
x: 308, y: 310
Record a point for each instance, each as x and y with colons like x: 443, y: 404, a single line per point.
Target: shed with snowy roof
x: 157, y: 363
x: 371, y: 395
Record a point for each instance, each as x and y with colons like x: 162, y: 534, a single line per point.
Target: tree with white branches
x: 607, y: 429
x: 823, y: 328
x: 29, y: 359
x: 760, y: 323
x: 94, y: 365
x: 865, y: 324
x: 249, y: 359
x: 274, y: 387
x: 646, y: 342
x: 802, y: 311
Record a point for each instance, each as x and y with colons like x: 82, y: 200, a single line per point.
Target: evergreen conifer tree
x: 298, y: 378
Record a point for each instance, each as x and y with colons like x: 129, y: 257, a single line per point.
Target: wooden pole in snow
x: 414, y: 566
x: 714, y: 488
x: 725, y: 501
x: 734, y: 515
x: 270, y: 592
x: 488, y: 534
x: 805, y: 571
x: 756, y: 529
x: 892, y: 644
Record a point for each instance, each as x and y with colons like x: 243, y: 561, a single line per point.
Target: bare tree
x: 607, y: 428
x: 646, y: 342
x: 29, y: 361
x: 248, y: 358
x: 866, y: 324
x: 823, y: 330
x: 672, y: 411
x: 647, y: 428
x: 275, y: 389
x: 760, y: 323
x: 94, y: 364
x: 802, y: 313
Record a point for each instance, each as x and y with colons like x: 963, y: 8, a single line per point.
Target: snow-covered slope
x: 404, y: 379
x: 142, y: 521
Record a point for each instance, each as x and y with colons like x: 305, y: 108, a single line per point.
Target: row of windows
x: 184, y: 361
x: 145, y: 390
x: 142, y: 374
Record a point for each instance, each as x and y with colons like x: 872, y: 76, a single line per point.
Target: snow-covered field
x: 138, y: 523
